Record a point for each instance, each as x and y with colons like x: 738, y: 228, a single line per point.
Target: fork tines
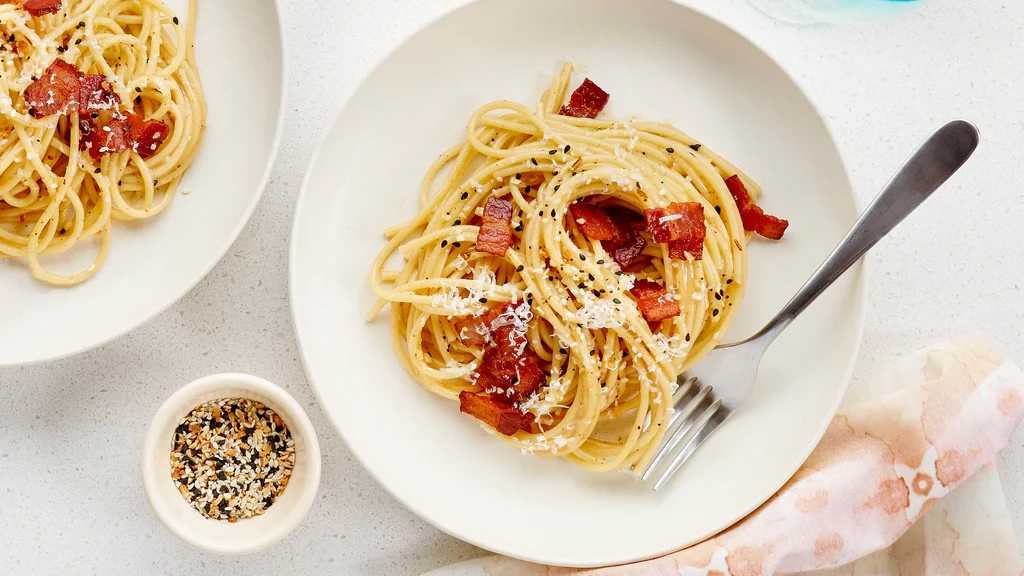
x: 697, y: 413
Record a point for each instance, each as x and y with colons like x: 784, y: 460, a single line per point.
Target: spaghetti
x: 102, y: 113
x: 564, y: 270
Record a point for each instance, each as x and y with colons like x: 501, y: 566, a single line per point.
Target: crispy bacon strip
x: 628, y: 252
x: 508, y: 376
x: 62, y: 88
x: 54, y: 91
x: 122, y: 132
x: 146, y: 135
x: 654, y: 301
x: 495, y: 234
x: 754, y: 218
x: 694, y: 231
x: 586, y: 102
x: 476, y: 330
x: 504, y: 418
x: 597, y: 224
x: 95, y: 93
x: 41, y: 7
x: 626, y: 217
x: 112, y: 138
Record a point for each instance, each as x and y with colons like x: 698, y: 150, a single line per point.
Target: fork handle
x: 923, y: 173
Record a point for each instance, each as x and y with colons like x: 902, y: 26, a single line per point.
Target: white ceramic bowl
x: 244, y: 536
x: 660, y: 61
x: 240, y: 51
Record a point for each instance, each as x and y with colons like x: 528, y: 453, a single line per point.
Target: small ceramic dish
x: 249, y: 534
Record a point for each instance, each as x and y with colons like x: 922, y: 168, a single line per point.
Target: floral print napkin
x: 902, y: 484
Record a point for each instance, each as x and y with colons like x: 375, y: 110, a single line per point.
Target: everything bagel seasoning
x: 231, y: 458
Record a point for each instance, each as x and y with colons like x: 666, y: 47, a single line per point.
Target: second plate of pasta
x: 136, y: 141
x: 543, y: 245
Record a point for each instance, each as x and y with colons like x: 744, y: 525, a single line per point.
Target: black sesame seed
x: 457, y: 244
x: 458, y: 222
x: 592, y: 352
x: 97, y: 171
x: 444, y: 243
x: 557, y: 186
x: 670, y: 150
x: 534, y: 160
x: 563, y: 350
x: 465, y: 195
x: 729, y: 281
x: 483, y: 300
x: 520, y: 268
x: 175, y: 19
x: 566, y: 149
x: 687, y: 336
x: 599, y: 262
x: 714, y: 312
x: 138, y: 89
x: 583, y: 257
x: 591, y: 276
x: 718, y: 209
x: 695, y: 147
x: 553, y: 152
x: 616, y: 300
x: 553, y: 210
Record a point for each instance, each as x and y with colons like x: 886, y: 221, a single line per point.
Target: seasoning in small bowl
x: 231, y: 458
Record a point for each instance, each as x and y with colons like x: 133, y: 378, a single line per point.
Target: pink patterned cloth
x: 872, y: 498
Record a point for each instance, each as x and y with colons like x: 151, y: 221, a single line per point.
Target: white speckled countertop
x: 71, y: 431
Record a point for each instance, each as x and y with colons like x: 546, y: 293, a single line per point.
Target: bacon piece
x: 586, y: 102
x: 754, y: 218
x: 63, y: 88
x: 54, y: 91
x: 112, y: 138
x: 509, y: 376
x: 504, y: 418
x: 668, y: 224
x: 41, y: 7
x: 596, y: 224
x: 654, y: 301
x: 146, y: 135
x: 532, y: 179
x: 626, y: 217
x: 628, y: 252
x: 771, y: 227
x: 639, y: 264
x: 495, y: 234
x: 476, y: 330
x: 95, y: 94
x: 694, y: 231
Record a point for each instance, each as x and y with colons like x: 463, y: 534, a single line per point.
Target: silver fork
x: 732, y: 368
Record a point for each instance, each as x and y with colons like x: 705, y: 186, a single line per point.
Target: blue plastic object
x: 833, y: 11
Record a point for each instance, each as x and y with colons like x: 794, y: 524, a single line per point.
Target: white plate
x: 152, y: 264
x: 660, y: 61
